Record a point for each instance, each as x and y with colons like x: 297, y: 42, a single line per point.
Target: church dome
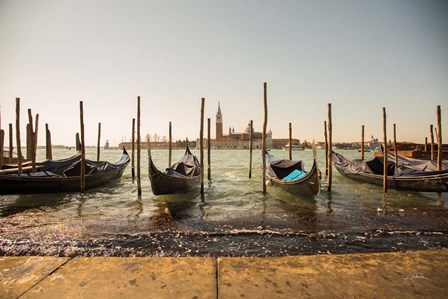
x: 247, y: 130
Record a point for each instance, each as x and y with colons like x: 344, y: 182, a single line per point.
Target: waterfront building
x: 241, y: 140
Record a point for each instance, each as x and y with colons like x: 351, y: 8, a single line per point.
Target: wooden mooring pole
x: 170, y: 142
x: 98, y: 146
x: 290, y: 141
x: 431, y: 133
x: 2, y: 143
x: 133, y: 149
x: 35, y: 134
x: 48, y: 149
x: 2, y: 139
x: 139, y: 183
x: 77, y: 142
x: 30, y: 140
x: 201, y: 146
x: 439, y: 138
x: 395, y: 148
x: 209, y: 167
x: 11, y: 146
x: 326, y: 148
x: 19, y: 145
x: 362, y: 142
x: 385, y: 151
x: 251, y: 144
x: 330, y: 148
x: 83, y: 149
x: 265, y: 124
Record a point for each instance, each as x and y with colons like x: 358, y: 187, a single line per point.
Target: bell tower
x: 219, y: 122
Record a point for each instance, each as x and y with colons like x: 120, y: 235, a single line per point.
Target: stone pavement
x: 422, y: 274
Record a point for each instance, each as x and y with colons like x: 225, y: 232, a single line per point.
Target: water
x: 234, y: 219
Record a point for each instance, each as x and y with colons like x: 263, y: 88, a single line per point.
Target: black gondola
x: 54, y: 176
x: 181, y: 177
x: 290, y: 176
x: 411, y: 174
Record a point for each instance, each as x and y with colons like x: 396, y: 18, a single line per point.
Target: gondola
x: 290, y: 176
x: 411, y: 174
x: 53, y: 176
x: 181, y: 177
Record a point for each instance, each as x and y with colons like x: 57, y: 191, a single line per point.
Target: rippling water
x: 233, y: 219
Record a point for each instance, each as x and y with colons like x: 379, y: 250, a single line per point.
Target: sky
x: 357, y: 55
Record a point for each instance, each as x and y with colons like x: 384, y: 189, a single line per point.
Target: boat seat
x: 295, y: 175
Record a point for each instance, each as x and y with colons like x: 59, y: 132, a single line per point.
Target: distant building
x: 374, y: 143
x: 107, y: 146
x: 179, y: 144
x: 241, y: 140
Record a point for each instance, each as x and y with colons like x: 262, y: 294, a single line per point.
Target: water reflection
x: 329, y: 197
x: 19, y: 203
x: 382, y: 210
x: 440, y: 201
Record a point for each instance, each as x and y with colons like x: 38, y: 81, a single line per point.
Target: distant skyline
x: 358, y: 55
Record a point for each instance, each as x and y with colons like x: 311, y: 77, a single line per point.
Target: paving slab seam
x: 217, y: 277
x: 49, y: 274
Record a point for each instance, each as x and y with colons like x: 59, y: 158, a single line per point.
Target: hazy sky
x: 358, y: 55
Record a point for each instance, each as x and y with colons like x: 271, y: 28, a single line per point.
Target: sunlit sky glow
x: 358, y: 55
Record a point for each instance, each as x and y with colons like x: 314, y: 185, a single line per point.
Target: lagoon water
x: 233, y: 219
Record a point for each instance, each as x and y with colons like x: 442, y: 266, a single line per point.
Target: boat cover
x: 39, y: 174
x: 92, y: 167
x: 281, y: 168
x: 406, y: 166
x: 188, y: 166
x: 417, y: 164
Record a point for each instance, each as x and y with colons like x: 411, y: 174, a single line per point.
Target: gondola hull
x: 427, y: 183
x: 279, y: 173
x: 308, y: 185
x: 430, y: 181
x: 162, y: 183
x: 14, y: 184
x: 29, y: 185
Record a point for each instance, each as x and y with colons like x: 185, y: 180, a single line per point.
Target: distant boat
x: 53, y: 176
x: 290, y: 176
x: 181, y: 177
x: 411, y: 174
x: 294, y: 147
x: 366, y: 150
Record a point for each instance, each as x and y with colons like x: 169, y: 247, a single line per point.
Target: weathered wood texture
x: 139, y: 182
x: 330, y: 148
x: 385, y: 151
x: 19, y: 145
x: 83, y: 148
x: 251, y: 145
x: 265, y: 124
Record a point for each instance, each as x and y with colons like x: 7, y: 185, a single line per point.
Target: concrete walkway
x: 421, y: 274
